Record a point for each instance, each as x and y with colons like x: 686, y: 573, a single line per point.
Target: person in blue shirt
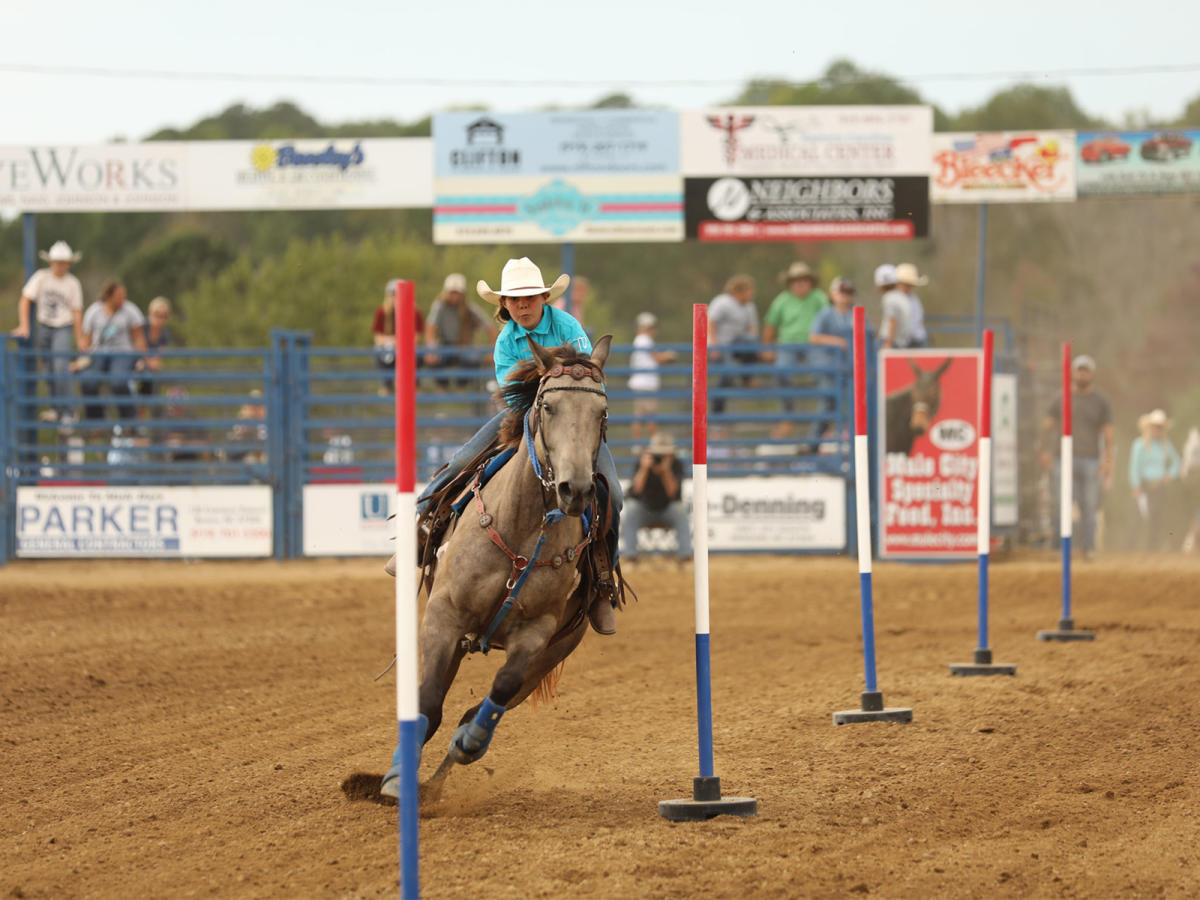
x: 525, y: 308
x: 834, y: 327
x: 1153, y: 465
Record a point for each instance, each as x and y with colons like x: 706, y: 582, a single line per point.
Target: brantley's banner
x: 789, y: 173
x: 324, y: 173
x: 928, y: 412
x: 1139, y: 162
x: 591, y: 175
x: 1003, y: 167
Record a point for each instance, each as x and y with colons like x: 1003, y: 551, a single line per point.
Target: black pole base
x: 1066, y: 631
x: 707, y: 803
x: 983, y: 665
x: 873, y: 710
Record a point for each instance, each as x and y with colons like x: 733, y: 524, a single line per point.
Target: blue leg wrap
x: 471, y: 740
x: 390, y: 787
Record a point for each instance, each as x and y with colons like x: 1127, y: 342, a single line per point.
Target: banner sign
x: 786, y: 173
x: 1139, y: 162
x: 144, y: 521
x: 590, y: 175
x: 745, y: 514
x: 929, y: 465
x: 1005, y: 491
x: 1003, y: 167
x: 326, y: 173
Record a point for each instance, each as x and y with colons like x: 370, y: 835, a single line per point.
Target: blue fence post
x: 7, y: 506
x: 297, y: 449
x: 276, y: 395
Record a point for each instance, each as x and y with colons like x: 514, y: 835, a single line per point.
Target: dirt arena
x: 185, y: 730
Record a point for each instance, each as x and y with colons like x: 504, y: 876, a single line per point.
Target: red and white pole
x: 407, y: 708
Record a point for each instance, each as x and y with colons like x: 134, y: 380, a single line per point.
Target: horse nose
x: 571, y: 497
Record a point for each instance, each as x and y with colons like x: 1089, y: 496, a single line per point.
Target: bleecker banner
x: 592, y: 175
x: 1003, y: 167
x: 1139, y: 162
x: 144, y: 521
x: 825, y: 208
x: 929, y: 466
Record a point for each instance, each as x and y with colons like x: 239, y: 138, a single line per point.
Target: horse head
x: 926, y: 395
x: 570, y: 412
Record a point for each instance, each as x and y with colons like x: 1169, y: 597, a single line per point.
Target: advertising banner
x: 787, y: 173
x: 231, y: 521
x: 1005, y: 491
x: 1003, y: 167
x: 1139, y: 162
x: 590, y: 175
x: 929, y: 466
x: 340, y: 173
x: 745, y: 514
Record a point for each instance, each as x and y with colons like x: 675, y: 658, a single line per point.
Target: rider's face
x: 526, y: 311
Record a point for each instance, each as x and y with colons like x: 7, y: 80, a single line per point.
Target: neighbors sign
x: 1003, y: 167
x: 780, y: 173
x: 592, y: 175
x: 929, y: 453
x: 1139, y: 162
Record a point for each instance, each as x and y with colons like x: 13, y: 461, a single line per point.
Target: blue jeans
x: 48, y: 339
x: 117, y: 372
x: 484, y: 437
x: 1085, y: 491
x: 637, y: 516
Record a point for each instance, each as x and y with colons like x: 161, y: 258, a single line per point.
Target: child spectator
x: 158, y: 314
x: 383, y: 327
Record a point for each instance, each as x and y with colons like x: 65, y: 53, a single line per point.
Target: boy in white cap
x: 645, y: 380
x: 894, y: 328
x: 58, y: 296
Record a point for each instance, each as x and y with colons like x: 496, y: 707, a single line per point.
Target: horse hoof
x: 465, y: 747
x: 390, y: 786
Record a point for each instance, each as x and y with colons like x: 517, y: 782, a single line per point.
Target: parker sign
x: 1003, y: 167
x: 789, y: 173
x: 929, y: 465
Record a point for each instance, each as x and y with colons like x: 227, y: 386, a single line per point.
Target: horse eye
x: 547, y: 409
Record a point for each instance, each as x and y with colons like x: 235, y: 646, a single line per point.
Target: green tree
x: 1024, y: 107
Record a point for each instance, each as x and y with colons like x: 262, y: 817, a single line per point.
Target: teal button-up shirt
x: 554, y: 329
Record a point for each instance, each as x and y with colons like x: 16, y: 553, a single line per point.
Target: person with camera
x: 655, y: 499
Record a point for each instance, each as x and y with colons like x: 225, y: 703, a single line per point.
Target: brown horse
x: 486, y: 588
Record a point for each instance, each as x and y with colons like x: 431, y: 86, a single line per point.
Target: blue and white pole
x: 1066, y: 468
x: 872, y: 709
x: 706, y: 801
x: 411, y: 734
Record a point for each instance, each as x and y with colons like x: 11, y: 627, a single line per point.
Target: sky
x: 526, y: 55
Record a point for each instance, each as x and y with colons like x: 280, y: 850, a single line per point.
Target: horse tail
x: 547, y: 690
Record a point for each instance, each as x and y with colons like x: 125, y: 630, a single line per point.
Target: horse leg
x: 441, y: 654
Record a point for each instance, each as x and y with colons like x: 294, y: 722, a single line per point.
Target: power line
x: 602, y: 84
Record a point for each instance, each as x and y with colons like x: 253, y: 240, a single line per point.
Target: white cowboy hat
x: 906, y: 273
x: 521, y: 278
x: 60, y: 251
x: 1157, y: 417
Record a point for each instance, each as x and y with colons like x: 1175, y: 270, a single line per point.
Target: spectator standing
x: 1093, y: 446
x: 383, y: 328
x: 909, y: 280
x: 1153, y: 464
x: 655, y: 498
x: 733, y: 321
x: 579, y: 294
x: 1190, y: 476
x: 645, y: 380
x: 113, y: 329
x: 895, y: 325
x: 158, y: 336
x: 789, y: 320
x: 833, y: 328
x: 58, y: 297
x: 451, y: 328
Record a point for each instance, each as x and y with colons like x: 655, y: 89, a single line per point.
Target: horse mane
x: 519, y: 392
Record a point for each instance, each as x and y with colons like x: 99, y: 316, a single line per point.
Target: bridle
x: 533, y: 418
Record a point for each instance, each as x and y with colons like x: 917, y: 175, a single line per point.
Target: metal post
x: 981, y: 272
x: 27, y: 363
x: 407, y: 703
x: 567, y: 264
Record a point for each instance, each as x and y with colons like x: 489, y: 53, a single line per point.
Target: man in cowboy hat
x: 654, y: 499
x: 894, y: 330
x: 789, y: 320
x: 1153, y: 464
x: 1092, y: 448
x: 908, y: 280
x: 58, y: 298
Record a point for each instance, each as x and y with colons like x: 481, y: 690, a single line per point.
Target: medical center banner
x: 929, y: 453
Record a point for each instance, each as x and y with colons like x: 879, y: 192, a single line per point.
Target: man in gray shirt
x: 733, y: 320
x: 895, y: 328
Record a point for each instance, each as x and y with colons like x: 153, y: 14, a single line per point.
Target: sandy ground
x: 185, y: 730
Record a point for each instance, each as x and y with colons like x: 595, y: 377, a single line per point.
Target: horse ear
x: 543, y: 357
x: 912, y: 364
x: 599, y: 354
x: 941, y: 370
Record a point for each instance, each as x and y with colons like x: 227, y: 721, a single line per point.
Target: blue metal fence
x: 292, y: 414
